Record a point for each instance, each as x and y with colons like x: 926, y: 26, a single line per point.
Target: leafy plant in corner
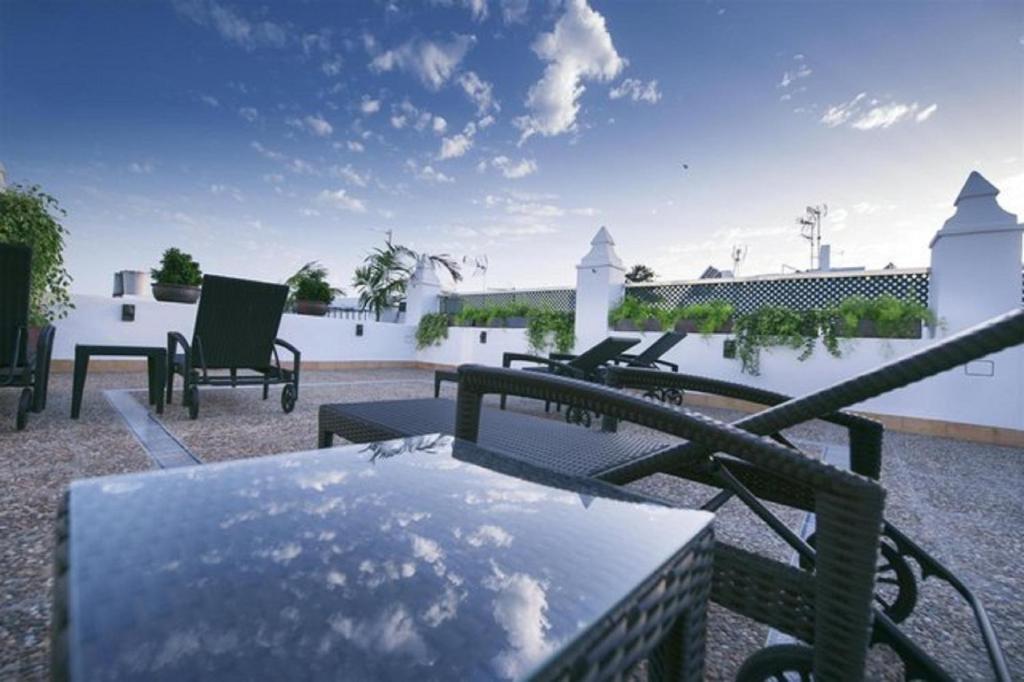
x: 310, y: 283
x: 31, y: 217
x: 708, y: 317
x: 640, y: 273
x: 432, y: 329
x: 634, y: 310
x: 549, y: 328
x: 889, y: 316
x: 383, y: 277
x: 177, y: 267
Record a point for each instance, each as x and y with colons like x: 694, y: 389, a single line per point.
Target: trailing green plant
x: 432, y: 329
x: 709, y: 316
x: 549, y: 328
x: 309, y: 283
x: 177, y: 267
x: 32, y: 217
x: 774, y: 326
x: 491, y: 313
x: 892, y: 317
x: 634, y: 310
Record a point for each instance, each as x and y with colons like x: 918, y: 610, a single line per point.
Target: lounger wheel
x: 895, y: 582
x: 288, y: 398
x: 24, y: 405
x: 193, y: 402
x: 781, y: 662
x: 578, y: 415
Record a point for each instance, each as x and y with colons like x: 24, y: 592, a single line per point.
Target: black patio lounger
x: 236, y: 329
x: 586, y: 366
x: 650, y: 357
x: 21, y: 366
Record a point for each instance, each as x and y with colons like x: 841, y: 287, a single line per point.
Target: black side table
x: 156, y: 366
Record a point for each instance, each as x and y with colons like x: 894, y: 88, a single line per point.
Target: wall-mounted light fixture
x: 483, y: 337
x: 128, y: 312
x: 359, y: 330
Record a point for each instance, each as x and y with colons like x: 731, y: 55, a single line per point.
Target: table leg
x: 78, y: 383
x: 159, y: 377
x: 150, y: 362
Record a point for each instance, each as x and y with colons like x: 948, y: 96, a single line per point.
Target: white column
x: 423, y: 293
x: 976, y: 260
x: 600, y: 285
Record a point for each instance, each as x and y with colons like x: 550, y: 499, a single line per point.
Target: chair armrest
x: 296, y: 361
x: 175, y: 339
x: 556, y: 366
x: 289, y: 347
x: 562, y: 357
x: 667, y: 365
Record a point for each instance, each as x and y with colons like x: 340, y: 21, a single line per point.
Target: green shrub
x: 636, y: 311
x: 310, y: 283
x: 177, y: 267
x: 774, y: 326
x: 548, y: 328
x: 892, y: 317
x: 432, y: 329
x: 31, y: 217
x: 709, y: 317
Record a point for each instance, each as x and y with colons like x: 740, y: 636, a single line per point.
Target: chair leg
x: 325, y: 439
x: 266, y: 388
x: 78, y: 382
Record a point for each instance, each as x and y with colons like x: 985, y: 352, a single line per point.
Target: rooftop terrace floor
x: 959, y: 500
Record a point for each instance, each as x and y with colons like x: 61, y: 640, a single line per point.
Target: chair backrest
x: 15, y: 291
x: 237, y: 322
x: 602, y: 353
x: 653, y: 352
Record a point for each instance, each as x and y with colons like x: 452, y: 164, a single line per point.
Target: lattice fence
x: 800, y: 292
x: 557, y: 299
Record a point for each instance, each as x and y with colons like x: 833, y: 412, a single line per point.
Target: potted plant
x: 311, y: 292
x: 177, y: 279
x: 517, y: 315
x: 885, y: 317
x: 632, y: 315
x: 31, y: 217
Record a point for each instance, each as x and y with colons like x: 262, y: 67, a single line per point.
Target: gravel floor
x: 956, y: 499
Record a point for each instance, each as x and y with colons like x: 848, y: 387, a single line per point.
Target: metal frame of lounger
x: 650, y: 357
x: 236, y: 328
x: 830, y: 606
x: 694, y: 462
x: 18, y: 367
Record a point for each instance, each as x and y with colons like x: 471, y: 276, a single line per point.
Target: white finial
x: 602, y: 252
x: 976, y: 186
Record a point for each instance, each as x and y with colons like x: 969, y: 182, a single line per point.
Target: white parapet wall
x: 97, y: 320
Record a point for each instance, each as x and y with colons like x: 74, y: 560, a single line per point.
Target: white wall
x: 97, y: 320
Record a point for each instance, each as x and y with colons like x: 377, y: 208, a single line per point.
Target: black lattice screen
x: 557, y: 299
x: 799, y: 292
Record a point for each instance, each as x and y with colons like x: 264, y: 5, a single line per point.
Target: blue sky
x: 261, y: 135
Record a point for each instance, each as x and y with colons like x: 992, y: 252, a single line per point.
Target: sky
x: 262, y: 135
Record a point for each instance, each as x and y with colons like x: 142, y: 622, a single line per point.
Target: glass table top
x: 422, y: 558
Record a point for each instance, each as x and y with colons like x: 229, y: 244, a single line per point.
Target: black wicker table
x: 415, y: 559
x: 156, y: 369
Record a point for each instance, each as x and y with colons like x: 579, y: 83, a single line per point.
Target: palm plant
x: 384, y: 275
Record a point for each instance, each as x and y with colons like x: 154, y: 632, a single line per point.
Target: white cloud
x: 477, y: 8
x: 301, y: 167
x: 209, y: 100
x: 355, y: 146
x: 348, y: 173
x: 309, y: 212
x: 332, y: 67
x: 457, y: 145
x: 926, y: 113
x: 250, y: 114
x: 318, y: 40
x: 369, y: 106
x: 479, y: 91
x: 268, y: 153
x: 342, y: 199
x: 398, y: 122
x: 520, y: 608
x: 637, y: 90
x: 514, y: 11
x: 142, y: 168
x: 228, y: 190
x: 434, y: 63
x: 801, y: 71
x: 579, y: 48
x: 439, y: 124
x: 233, y: 27
x: 427, y: 173
x: 862, y: 114
x: 516, y: 170
x: 273, y: 178
x: 485, y: 122
x: 318, y: 126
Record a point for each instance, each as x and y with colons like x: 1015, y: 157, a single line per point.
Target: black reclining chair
x: 236, y: 329
x: 21, y: 366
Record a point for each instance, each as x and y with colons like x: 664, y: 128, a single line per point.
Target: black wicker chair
x: 897, y: 583
x: 829, y: 606
x: 650, y: 357
x: 236, y: 329
x: 21, y: 366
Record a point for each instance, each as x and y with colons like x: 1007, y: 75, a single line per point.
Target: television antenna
x: 810, y: 229
x: 739, y: 254
x: 480, y: 265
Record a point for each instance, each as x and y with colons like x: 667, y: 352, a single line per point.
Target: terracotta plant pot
x: 176, y: 293
x: 317, y: 308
